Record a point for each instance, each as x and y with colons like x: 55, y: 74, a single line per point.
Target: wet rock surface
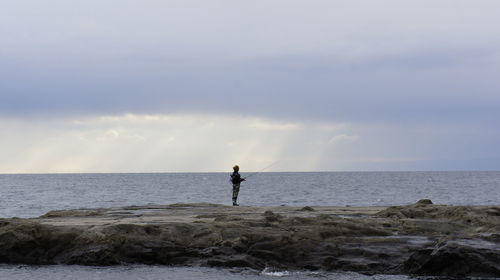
x: 418, y: 239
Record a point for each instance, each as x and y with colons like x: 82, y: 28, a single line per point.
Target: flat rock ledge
x: 418, y: 239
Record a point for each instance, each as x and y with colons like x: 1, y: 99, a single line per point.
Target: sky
x: 198, y: 86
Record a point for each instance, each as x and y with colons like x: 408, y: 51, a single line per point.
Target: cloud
x: 333, y: 61
x: 229, y: 29
x: 207, y: 143
x: 311, y: 88
x: 257, y: 80
x: 343, y: 138
x: 146, y: 143
x: 272, y: 126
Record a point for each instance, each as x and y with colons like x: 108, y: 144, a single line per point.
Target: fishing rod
x: 265, y: 168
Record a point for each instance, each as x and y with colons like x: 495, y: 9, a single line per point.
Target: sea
x: 32, y: 195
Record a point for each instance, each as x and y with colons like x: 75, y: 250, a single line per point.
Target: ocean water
x: 143, y: 272
x: 31, y: 195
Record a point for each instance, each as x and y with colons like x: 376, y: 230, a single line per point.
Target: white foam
x: 273, y: 272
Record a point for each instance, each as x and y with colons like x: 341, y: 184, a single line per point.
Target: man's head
x: 236, y: 168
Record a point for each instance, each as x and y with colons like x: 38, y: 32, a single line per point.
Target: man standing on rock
x: 236, y: 180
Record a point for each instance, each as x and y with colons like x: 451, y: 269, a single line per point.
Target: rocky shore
x: 418, y: 239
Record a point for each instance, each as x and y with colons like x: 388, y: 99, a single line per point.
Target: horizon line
x: 205, y: 172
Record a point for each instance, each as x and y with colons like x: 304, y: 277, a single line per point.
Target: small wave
x: 274, y: 272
